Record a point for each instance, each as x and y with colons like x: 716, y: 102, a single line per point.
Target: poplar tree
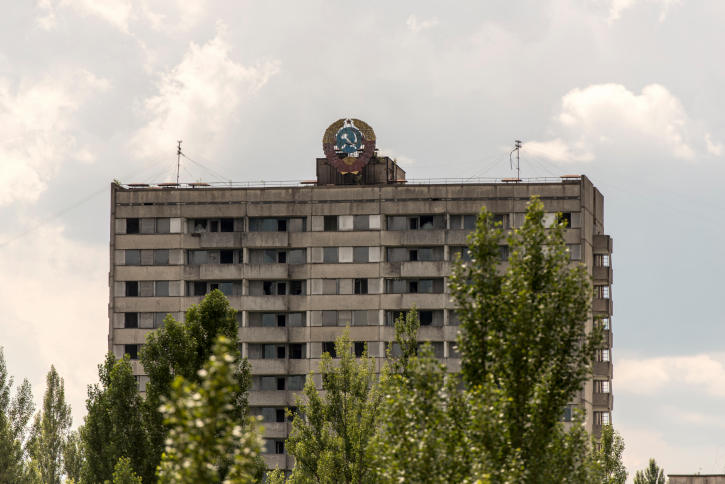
x: 610, y: 457
x: 651, y: 475
x: 50, y: 429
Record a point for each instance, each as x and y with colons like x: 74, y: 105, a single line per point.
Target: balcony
x: 602, y: 244
x: 603, y: 400
x: 602, y: 275
x: 601, y: 305
x: 603, y: 369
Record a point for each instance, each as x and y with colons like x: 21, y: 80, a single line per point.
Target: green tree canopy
x: 114, y: 426
x: 203, y: 431
x: 651, y: 475
x: 610, y: 456
x: 50, y: 429
x: 181, y: 350
x: 331, y: 431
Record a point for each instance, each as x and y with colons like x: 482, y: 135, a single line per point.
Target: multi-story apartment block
x: 301, y: 261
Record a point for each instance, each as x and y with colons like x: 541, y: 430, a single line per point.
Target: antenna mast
x: 517, y: 147
x: 178, y: 162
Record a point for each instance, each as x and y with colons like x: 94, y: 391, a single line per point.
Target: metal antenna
x: 517, y: 147
x: 178, y: 162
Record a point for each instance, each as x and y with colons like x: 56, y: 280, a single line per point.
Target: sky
x: 628, y: 92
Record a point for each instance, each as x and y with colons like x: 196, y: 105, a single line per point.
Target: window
x: 161, y: 257
x: 413, y: 286
x: 281, y: 352
x: 361, y: 286
x: 162, y: 289
x: 425, y: 286
x: 297, y: 256
x: 133, y: 258
x: 359, y: 349
x: 329, y: 347
x: 159, y: 320
x: 132, y: 226
x: 330, y: 223
x: 329, y: 286
x: 131, y: 288
x: 329, y: 318
x: 601, y: 418
x: 163, y: 226
x: 463, y: 222
x: 197, y: 288
x: 131, y: 320
x: 461, y: 252
x: 297, y: 288
x: 565, y: 219
x: 197, y: 257
x: 397, y: 223
x: 276, y: 224
x: 453, y: 318
x: 453, y: 350
x: 601, y: 386
x: 568, y: 413
x: 601, y: 292
x: 297, y: 351
x: 427, y: 317
x: 601, y: 260
x: 295, y: 383
x: 503, y: 253
x: 131, y: 351
x: 269, y: 352
x: 605, y: 324
x: 226, y: 225
x: 361, y: 222
x: 602, y: 355
x: 397, y: 286
x: 279, y: 446
x: 501, y: 221
x: 330, y: 255
x: 397, y: 254
x: 360, y: 254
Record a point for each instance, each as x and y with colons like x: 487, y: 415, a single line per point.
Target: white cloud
x: 403, y: 161
x: 416, y: 25
x: 124, y: 14
x: 703, y: 373
x: 618, y: 6
x: 199, y: 98
x: 37, y: 120
x: 608, y: 117
x: 54, y: 295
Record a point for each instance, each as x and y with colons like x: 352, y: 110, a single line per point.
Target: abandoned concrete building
x: 301, y: 260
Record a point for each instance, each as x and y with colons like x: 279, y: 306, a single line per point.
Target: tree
x: 406, y: 336
x: 610, y: 456
x: 203, y: 432
x: 651, y: 475
x: 114, y: 426
x: 123, y: 473
x: 330, y: 432
x: 523, y: 343
x: 73, y: 456
x: 181, y: 350
x: 50, y: 429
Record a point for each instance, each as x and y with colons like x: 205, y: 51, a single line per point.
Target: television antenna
x: 517, y: 147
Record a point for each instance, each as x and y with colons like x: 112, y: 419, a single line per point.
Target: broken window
x: 199, y: 288
x: 268, y: 288
x: 132, y: 226
x: 281, y: 352
x: 226, y: 257
x: 131, y: 288
x: 565, y: 219
x: 133, y: 257
x: 130, y: 320
x: 297, y: 288
x: 200, y: 225
x: 361, y: 286
x: 329, y: 347
x: 425, y: 317
x: 297, y: 351
x: 227, y: 224
x: 281, y: 383
x: 359, y: 349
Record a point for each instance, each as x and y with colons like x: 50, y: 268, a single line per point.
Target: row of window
x: 370, y: 317
x: 322, y: 255
x: 325, y: 223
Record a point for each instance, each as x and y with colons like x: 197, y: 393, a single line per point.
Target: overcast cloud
x: 628, y: 92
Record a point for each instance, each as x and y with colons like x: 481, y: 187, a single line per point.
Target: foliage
x: 610, y: 456
x: 113, y: 426
x: 406, y: 336
x: 524, y: 350
x: 73, y: 456
x: 330, y: 433
x: 651, y: 475
x: 50, y: 429
x: 123, y: 473
x: 203, y: 432
x: 181, y: 350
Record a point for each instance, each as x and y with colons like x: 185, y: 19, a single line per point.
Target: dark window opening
x: 295, y: 351
x: 131, y: 351
x: 426, y: 222
x: 199, y: 288
x: 282, y: 257
x: 279, y: 447
x: 200, y: 225
x: 280, y: 320
x: 281, y: 352
x: 413, y: 255
x: 227, y: 224
x: 280, y: 415
x: 503, y: 252
x: 281, y: 225
x: 214, y: 226
x: 426, y: 318
x: 359, y: 349
x: 296, y: 288
x: 329, y: 347
x: 361, y: 286
x: 132, y: 226
x: 330, y: 223
x: 226, y: 257
x: 414, y: 223
x: 267, y: 288
x: 413, y: 287
x: 280, y: 383
x: 281, y: 288
x: 132, y: 289
x: 131, y: 320
x: 565, y: 218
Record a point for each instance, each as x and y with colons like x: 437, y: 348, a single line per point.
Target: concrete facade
x: 696, y: 478
x: 300, y: 262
